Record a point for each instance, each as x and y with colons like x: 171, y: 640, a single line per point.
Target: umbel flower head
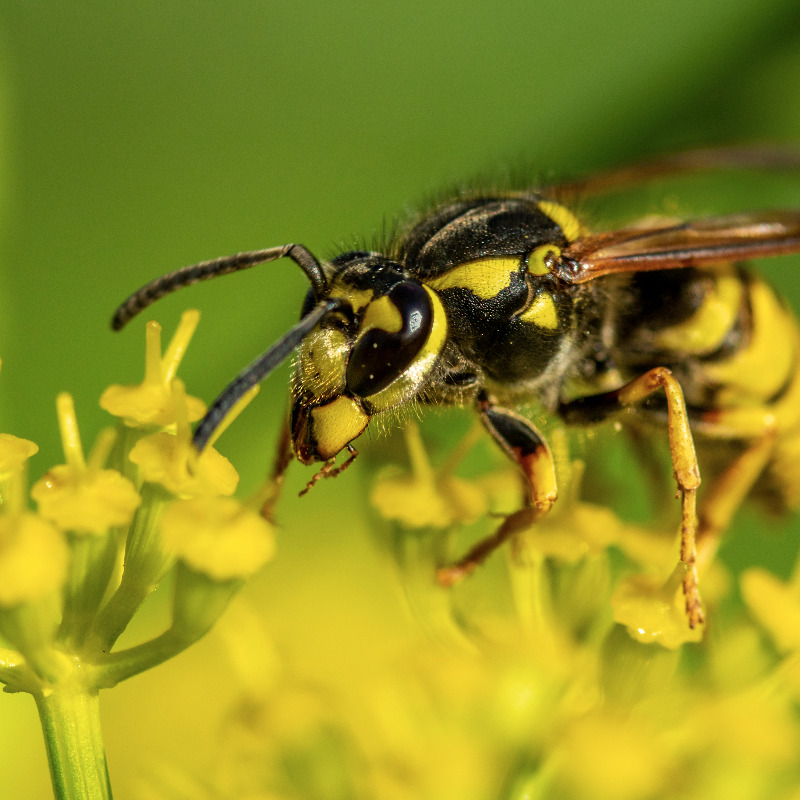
x: 74, y: 572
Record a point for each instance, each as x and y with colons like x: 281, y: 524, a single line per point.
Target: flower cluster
x: 107, y: 529
x: 567, y: 672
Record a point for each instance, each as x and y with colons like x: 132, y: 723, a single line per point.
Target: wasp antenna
x: 259, y: 370
x: 185, y: 276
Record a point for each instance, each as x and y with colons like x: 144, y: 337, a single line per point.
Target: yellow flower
x: 171, y: 461
x: 425, y: 498
x: 776, y: 605
x: 81, y: 497
x: 616, y: 757
x: 580, y: 530
x: 90, y: 503
x: 421, y: 502
x: 14, y: 452
x: 217, y: 536
x: 152, y: 402
x: 653, y: 611
x: 34, y: 558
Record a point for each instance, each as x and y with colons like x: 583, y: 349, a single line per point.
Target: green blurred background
x: 137, y: 137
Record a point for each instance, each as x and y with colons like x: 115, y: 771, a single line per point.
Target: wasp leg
x: 727, y: 493
x: 280, y: 463
x: 684, y: 460
x: 330, y: 470
x: 527, y: 448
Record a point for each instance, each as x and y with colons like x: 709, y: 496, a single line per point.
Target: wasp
x: 493, y: 300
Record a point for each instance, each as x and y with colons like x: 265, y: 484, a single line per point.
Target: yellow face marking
x: 408, y: 382
x: 357, y: 298
x: 321, y: 362
x: 485, y: 277
x: 382, y: 313
x: 336, y: 424
x: 564, y: 218
x: 539, y: 258
x: 542, y: 312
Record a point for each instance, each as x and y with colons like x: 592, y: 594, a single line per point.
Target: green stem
x: 70, y: 718
x: 117, y: 667
x: 145, y: 565
x: 197, y: 604
x: 93, y: 561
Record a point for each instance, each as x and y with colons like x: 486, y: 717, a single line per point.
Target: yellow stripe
x: 538, y: 260
x: 563, y: 217
x: 407, y: 384
x: 384, y: 314
x: 707, y: 328
x: 762, y: 367
x: 334, y: 425
x: 485, y: 277
x: 357, y: 298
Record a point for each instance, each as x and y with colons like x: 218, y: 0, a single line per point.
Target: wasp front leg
x: 280, y: 463
x: 527, y: 448
x: 684, y: 460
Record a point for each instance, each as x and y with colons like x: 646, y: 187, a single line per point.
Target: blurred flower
x: 563, y: 669
x: 217, y: 536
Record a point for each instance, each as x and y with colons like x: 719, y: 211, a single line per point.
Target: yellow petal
x: 14, y: 452
x: 416, y: 503
x: 652, y: 614
x: 775, y: 604
x: 147, y: 404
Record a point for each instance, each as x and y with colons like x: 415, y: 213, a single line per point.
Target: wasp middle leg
x: 527, y: 448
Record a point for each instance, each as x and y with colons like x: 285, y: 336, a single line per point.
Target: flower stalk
x: 70, y: 717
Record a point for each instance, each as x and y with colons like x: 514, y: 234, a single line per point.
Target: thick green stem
x: 70, y: 719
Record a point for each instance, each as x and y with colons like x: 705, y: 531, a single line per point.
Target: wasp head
x: 369, y: 355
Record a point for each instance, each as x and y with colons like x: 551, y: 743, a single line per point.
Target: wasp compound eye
x: 395, y: 328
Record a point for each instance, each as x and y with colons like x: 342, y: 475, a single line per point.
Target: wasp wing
x: 698, y: 243
x: 742, y: 157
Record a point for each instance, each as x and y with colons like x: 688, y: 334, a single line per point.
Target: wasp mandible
x: 491, y: 300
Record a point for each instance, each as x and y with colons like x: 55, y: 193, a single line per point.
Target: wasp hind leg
x: 684, y: 460
x: 730, y: 488
x: 527, y: 448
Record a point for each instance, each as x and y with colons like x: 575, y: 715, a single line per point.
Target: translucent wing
x: 734, y: 237
x: 742, y: 157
